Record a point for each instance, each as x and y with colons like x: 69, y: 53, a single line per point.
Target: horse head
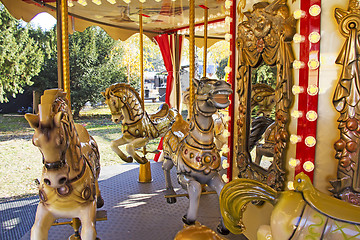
x: 52, y: 128
x: 123, y: 101
x: 211, y: 95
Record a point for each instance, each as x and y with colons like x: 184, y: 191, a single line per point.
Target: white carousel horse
x: 68, y: 186
x: 304, y: 213
x: 138, y: 127
x: 191, y: 148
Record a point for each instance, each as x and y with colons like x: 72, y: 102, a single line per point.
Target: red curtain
x: 167, y: 47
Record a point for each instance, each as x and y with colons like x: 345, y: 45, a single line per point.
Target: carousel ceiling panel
x: 120, y: 18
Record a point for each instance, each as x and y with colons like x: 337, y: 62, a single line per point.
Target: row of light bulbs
x: 311, y: 90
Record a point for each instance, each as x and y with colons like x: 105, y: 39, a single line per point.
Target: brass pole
x: 141, y: 56
x: 192, y: 54
x: 63, y: 46
x: 205, y: 39
x: 144, y: 169
x: 177, y: 69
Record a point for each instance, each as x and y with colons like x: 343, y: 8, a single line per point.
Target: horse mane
x: 52, y: 101
x: 117, y: 87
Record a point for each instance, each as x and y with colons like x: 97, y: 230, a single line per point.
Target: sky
x: 44, y: 20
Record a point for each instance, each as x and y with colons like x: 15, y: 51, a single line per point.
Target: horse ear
x: 196, y: 82
x: 33, y: 120
x: 57, y: 119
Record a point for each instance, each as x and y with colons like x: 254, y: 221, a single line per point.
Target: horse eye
x: 114, y: 102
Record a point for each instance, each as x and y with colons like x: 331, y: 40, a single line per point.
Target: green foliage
x: 264, y: 74
x: 92, y: 68
x: 20, y: 56
x: 220, y: 70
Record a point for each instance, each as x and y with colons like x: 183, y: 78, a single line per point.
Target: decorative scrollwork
x: 346, y: 102
x: 266, y: 37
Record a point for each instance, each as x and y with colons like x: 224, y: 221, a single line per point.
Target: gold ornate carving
x: 265, y: 36
x: 346, y: 101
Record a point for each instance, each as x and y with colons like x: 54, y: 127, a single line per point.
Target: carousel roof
x: 120, y: 18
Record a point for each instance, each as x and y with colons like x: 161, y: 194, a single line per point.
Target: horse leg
x: 259, y: 153
x: 137, y: 143
x: 194, y: 190
x: 167, y: 166
x: 115, y: 147
x: 99, y: 199
x: 217, y: 184
x: 43, y: 221
x: 88, y: 220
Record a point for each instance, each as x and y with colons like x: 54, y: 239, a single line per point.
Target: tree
x: 92, y: 66
x: 20, y: 56
x: 220, y: 70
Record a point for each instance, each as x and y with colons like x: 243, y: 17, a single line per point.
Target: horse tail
x: 236, y: 195
x: 258, y: 127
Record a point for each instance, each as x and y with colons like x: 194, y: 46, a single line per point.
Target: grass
x: 21, y: 161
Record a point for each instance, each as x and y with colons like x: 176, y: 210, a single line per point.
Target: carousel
x: 283, y: 163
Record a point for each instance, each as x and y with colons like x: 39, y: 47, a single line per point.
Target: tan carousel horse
x: 138, y: 127
x: 305, y: 213
x: 68, y: 186
x: 190, y: 146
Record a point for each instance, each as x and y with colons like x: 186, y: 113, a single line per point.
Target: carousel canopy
x: 120, y: 18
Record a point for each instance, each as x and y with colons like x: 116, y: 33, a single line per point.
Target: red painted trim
x: 203, y: 6
x: 231, y: 79
x: 196, y: 25
x: 144, y: 15
x: 307, y: 77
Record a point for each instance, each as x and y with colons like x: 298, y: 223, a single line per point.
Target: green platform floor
x: 135, y: 210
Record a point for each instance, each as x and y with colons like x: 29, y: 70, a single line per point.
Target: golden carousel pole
x: 205, y: 38
x: 144, y: 169
x: 63, y: 47
x: 191, y: 54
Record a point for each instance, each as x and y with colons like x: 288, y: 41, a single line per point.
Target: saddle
x: 162, y: 112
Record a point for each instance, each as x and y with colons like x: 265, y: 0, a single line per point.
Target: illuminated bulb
x: 227, y: 69
x: 295, y: 138
x: 308, y: 166
x: 225, y: 148
x: 298, y: 38
x: 82, y: 2
x: 127, y: 1
x: 228, y: 4
x: 298, y: 64
x: 157, y: 0
x: 299, y: 14
x: 173, y: 0
x: 228, y: 37
x: 225, y: 164
x: 313, y: 64
x: 311, y: 115
x: 312, y: 90
x: 226, y: 133
x: 314, y: 37
x: 97, y: 2
x: 297, y: 89
x: 315, y: 10
x: 225, y: 178
x: 296, y: 114
x: 293, y: 162
x: 228, y: 20
x: 310, y: 141
x: 142, y: 1
x: 290, y: 185
x: 112, y: 1
x: 70, y: 3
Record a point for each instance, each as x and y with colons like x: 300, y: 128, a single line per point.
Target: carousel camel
x: 304, y: 213
x: 138, y: 127
x: 68, y: 185
x: 190, y: 146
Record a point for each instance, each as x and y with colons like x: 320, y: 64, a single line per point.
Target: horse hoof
x: 171, y: 200
x: 186, y: 221
x: 99, y: 202
x: 222, y: 230
x: 129, y: 160
x: 143, y: 160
